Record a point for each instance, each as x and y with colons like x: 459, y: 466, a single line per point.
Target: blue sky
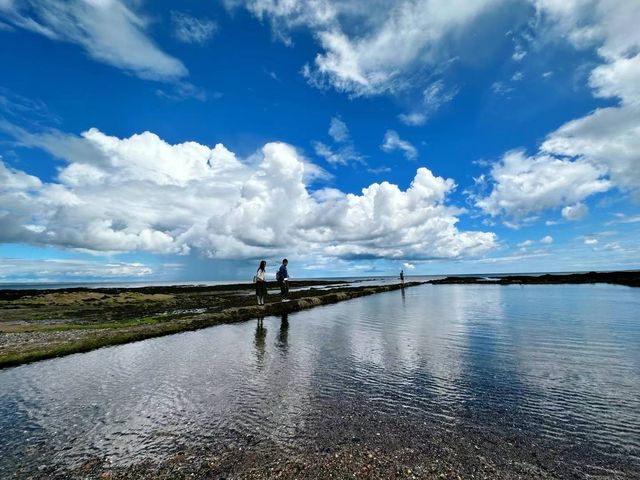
x: 155, y: 141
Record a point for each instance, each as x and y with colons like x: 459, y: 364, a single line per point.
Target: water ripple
x: 553, y: 364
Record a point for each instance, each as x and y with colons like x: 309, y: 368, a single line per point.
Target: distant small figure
x: 261, y: 282
x: 402, y: 277
x: 282, y: 277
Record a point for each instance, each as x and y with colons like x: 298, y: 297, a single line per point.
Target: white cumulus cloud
x: 593, y: 153
x: 525, y: 185
x: 608, y: 139
x: 575, y: 212
x: 144, y: 194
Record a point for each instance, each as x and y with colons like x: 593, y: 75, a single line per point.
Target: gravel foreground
x: 362, y: 444
x: 347, y: 461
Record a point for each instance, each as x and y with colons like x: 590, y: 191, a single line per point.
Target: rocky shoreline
x: 40, y: 324
x: 628, y: 278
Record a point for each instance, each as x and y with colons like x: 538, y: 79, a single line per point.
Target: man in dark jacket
x: 282, y: 277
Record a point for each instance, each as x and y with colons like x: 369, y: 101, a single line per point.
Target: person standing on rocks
x: 261, y: 282
x: 402, y: 277
x: 282, y: 277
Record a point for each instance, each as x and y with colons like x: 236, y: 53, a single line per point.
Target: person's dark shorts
x: 261, y: 289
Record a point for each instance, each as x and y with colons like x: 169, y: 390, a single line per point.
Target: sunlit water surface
x: 560, y: 364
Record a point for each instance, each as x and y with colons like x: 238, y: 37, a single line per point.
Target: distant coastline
x: 629, y: 278
x: 382, y: 279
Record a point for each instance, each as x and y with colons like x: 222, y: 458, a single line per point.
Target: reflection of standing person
x: 402, y: 277
x: 261, y: 283
x: 284, y: 332
x: 283, y: 280
x: 260, y: 341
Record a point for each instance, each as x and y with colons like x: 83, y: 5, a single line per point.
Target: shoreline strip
x: 109, y: 337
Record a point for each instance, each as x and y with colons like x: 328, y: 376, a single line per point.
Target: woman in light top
x: 261, y: 283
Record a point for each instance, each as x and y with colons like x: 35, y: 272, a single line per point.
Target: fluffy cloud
x: 392, y: 142
x: 618, y: 78
x: 107, y: 29
x: 372, y: 50
x: 524, y: 185
x: 608, y: 139
x: 598, y: 151
x: 575, y: 212
x: 143, y: 194
x: 610, y: 25
x: 190, y: 29
x: 16, y: 204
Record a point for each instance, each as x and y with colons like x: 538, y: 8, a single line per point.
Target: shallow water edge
x: 105, y: 335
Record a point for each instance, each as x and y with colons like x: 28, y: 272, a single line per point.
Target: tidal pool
x: 552, y: 371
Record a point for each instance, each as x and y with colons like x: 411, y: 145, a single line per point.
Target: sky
x: 186, y: 141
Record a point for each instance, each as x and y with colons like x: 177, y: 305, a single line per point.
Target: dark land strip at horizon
x: 629, y: 278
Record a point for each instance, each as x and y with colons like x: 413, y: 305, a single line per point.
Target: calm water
x: 558, y: 366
